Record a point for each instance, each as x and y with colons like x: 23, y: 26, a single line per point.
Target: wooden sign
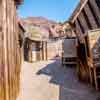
x: 94, y: 37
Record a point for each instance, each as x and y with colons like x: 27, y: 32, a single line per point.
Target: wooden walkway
x: 48, y: 80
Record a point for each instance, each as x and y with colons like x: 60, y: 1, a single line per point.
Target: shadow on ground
x: 69, y: 86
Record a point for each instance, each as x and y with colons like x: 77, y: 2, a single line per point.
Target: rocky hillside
x: 44, y: 25
x: 39, y: 21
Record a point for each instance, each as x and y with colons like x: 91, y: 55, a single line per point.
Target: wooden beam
x: 77, y: 11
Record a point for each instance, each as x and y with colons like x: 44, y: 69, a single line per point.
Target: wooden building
x: 35, y: 50
x: 68, y: 32
x: 21, y: 38
x: 54, y: 48
x: 84, y: 20
x: 86, y: 16
x: 10, y: 50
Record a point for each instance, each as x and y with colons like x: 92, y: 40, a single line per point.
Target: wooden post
x: 10, y: 51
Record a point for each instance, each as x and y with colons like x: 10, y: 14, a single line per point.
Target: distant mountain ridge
x: 45, y: 25
x: 39, y: 21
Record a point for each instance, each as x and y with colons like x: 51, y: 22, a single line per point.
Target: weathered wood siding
x: 10, y: 52
x: 89, y: 17
x: 85, y: 18
x: 54, y: 49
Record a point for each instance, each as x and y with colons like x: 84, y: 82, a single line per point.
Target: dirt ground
x: 48, y: 80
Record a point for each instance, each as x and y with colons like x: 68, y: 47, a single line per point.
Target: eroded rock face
x: 44, y: 25
x: 39, y: 21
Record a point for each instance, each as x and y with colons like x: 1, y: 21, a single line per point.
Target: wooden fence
x: 54, y: 49
x: 10, y: 51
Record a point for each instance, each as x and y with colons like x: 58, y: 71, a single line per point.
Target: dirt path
x: 48, y: 80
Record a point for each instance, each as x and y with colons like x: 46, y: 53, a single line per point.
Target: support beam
x: 95, y: 10
x: 83, y: 22
x: 78, y: 29
x: 90, y: 16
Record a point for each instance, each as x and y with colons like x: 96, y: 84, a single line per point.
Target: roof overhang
x: 18, y: 2
x: 78, y: 10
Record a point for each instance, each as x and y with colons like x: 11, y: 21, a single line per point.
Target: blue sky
x: 58, y: 10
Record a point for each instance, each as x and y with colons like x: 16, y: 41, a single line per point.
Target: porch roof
x: 78, y: 10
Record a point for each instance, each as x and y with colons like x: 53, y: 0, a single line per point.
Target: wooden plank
x: 94, y: 39
x: 10, y: 51
x: 1, y: 55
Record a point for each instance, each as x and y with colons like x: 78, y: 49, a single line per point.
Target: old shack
x: 35, y: 44
x: 10, y: 50
x: 35, y: 50
x: 86, y: 17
